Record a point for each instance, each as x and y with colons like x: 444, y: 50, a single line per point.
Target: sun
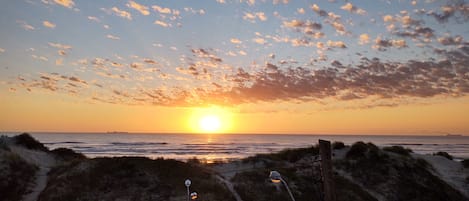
x: 210, y: 123
x: 213, y: 120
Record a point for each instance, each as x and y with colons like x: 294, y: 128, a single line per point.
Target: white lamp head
x: 275, y: 177
x: 187, y: 182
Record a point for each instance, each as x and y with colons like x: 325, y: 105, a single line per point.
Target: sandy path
x: 230, y: 187
x: 452, y: 172
x: 42, y: 160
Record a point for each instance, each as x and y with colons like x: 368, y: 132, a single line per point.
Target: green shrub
x: 465, y: 163
x: 398, y: 150
x: 444, y: 154
x: 29, y: 142
x: 338, y: 145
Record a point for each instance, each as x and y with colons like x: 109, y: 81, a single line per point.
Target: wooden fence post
x: 327, y: 172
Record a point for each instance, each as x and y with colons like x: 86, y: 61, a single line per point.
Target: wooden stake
x: 327, y: 172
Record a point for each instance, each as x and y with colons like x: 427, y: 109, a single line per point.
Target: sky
x: 260, y: 66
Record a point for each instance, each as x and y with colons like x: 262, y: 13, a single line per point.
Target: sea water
x: 224, y: 147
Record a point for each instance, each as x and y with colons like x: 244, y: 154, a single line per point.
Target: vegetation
x: 27, y: 141
x: 290, y: 155
x: 130, y: 178
x: 465, y: 163
x: 67, y: 154
x: 15, y: 175
x: 338, y: 145
x: 395, y: 178
x: 444, y: 154
x: 398, y: 150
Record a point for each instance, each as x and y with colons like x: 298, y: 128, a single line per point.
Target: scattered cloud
x: 161, y: 23
x: 139, y: 7
x: 48, y: 24
x: 235, y: 41
x: 364, y: 39
x: 25, y: 25
x: 112, y: 37
x: 60, y: 46
x: 93, y: 18
x: 118, y: 12
x: 65, y: 3
x: 251, y: 17
x: 353, y: 9
x: 161, y: 10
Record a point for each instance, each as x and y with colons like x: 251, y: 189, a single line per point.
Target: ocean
x: 225, y: 147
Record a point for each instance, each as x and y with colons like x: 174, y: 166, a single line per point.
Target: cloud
x: 139, y: 7
x: 112, y: 37
x: 235, y: 41
x: 353, y: 9
x: 161, y: 10
x: 336, y: 44
x: 48, y: 24
x: 161, y: 23
x: 2, y: 50
x: 382, y: 44
x: 447, y: 40
x: 25, y: 25
x: 251, y: 17
x: 118, y: 12
x: 60, y: 46
x: 65, y: 3
x: 364, y: 39
x: 93, y: 18
x: 259, y: 41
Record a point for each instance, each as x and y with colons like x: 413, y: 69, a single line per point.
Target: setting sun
x: 210, y: 123
x: 210, y: 120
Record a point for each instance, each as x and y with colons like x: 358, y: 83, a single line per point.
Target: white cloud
x: 48, y: 24
x: 235, y: 41
x: 118, y: 12
x: 364, y: 39
x: 2, y: 50
x: 25, y: 25
x: 141, y: 8
x: 161, y: 23
x: 65, y: 3
x: 60, y: 46
x: 161, y: 10
x: 259, y: 41
x: 93, y: 18
x: 112, y: 37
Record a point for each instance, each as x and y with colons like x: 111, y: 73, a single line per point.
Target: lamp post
x: 188, y: 183
x: 275, y: 177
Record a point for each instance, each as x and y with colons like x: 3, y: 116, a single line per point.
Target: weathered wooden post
x: 327, y: 172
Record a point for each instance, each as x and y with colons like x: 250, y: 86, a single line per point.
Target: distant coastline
x: 117, y: 132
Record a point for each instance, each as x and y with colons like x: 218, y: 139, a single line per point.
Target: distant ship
x: 117, y: 132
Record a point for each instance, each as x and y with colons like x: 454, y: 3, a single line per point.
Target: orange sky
x: 322, y: 67
x: 49, y: 112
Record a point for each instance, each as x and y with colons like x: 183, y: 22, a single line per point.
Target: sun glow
x: 210, y: 120
x: 210, y: 123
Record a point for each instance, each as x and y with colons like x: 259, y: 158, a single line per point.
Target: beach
x: 362, y: 171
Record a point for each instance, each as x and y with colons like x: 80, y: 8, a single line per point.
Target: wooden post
x: 327, y: 173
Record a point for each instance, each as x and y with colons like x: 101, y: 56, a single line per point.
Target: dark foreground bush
x: 26, y: 140
x: 67, y: 154
x: 444, y: 154
x: 358, y: 149
x: 465, y: 163
x: 398, y: 150
x: 338, y: 145
x: 130, y: 178
x: 15, y: 175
